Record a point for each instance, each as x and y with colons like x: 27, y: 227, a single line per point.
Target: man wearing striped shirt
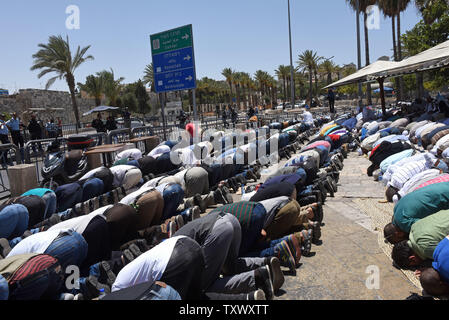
x: 406, y: 172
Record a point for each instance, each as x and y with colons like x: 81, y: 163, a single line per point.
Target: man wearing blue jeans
x: 68, y: 246
x: 48, y: 196
x: 4, y: 289
x: 13, y: 220
x: 30, y: 277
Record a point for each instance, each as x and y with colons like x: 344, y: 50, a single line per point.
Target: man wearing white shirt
x: 68, y: 246
x: 406, y: 172
x: 126, y: 176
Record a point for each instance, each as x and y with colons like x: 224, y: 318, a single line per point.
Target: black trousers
x: 185, y: 268
x: 332, y: 106
x: 96, y: 235
x: 4, y: 154
x: 17, y: 138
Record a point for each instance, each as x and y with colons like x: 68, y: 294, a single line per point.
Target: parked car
x: 135, y: 123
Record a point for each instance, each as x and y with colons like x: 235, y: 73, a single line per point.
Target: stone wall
x: 28, y: 99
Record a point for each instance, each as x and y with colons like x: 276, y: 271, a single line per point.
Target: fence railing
x: 34, y: 152
x: 119, y: 136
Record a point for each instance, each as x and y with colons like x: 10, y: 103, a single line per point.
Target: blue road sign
x: 183, y: 79
x: 173, y: 60
x: 174, y: 70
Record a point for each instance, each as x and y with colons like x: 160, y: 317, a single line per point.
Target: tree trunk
x: 71, y: 83
x: 401, y: 79
x: 368, y: 86
x: 237, y: 92
x: 230, y: 95
x: 420, y: 85
x: 284, y: 81
x: 310, y: 88
x: 395, y: 51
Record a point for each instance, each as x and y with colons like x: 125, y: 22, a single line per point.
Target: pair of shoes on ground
x: 223, y: 196
x: 269, y: 278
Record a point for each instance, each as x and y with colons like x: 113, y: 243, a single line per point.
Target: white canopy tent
x: 363, y: 74
x: 433, y: 58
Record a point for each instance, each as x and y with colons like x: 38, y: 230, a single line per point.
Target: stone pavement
x: 341, y: 266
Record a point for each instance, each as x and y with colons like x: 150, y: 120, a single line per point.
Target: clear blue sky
x: 246, y: 35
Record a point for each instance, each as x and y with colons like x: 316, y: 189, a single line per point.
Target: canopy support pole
x: 382, y: 95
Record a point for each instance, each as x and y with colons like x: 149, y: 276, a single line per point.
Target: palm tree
x: 363, y: 6
x: 94, y: 87
x: 393, y: 9
x: 282, y: 72
x: 425, y: 6
x: 237, y: 81
x: 402, y: 6
x: 112, y: 86
x: 307, y: 61
x: 148, y: 76
x: 328, y: 67
x: 261, y: 77
x: 228, y: 74
x: 56, y: 57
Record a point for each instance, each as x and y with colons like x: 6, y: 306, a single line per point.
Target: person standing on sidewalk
x: 14, y: 126
x: 3, y: 139
x: 331, y: 98
x: 35, y: 132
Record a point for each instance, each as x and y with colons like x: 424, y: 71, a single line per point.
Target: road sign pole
x: 163, y: 115
x: 195, y: 110
x: 174, y: 62
x: 292, y: 73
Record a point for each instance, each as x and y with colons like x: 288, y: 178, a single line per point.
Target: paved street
x: 337, y: 271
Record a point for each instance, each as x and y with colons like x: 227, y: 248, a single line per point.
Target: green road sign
x: 172, y: 40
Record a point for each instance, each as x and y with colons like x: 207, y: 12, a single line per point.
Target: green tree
x: 142, y: 98
x: 148, y: 77
x: 228, y: 74
x: 129, y: 101
x: 328, y: 67
x: 363, y: 6
x: 423, y: 37
x: 94, y: 87
x: 307, y: 62
x: 56, y: 57
x: 282, y: 72
x: 112, y: 86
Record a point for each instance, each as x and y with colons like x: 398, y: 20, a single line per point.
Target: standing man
x: 52, y: 131
x: 98, y: 124
x: 14, y: 126
x: 3, y: 139
x: 59, y: 127
x: 127, y: 118
x: 35, y: 131
x: 234, y: 116
x: 224, y: 117
x: 111, y: 124
x: 331, y: 98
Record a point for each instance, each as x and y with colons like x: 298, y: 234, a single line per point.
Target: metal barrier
x: 35, y: 153
x: 142, y: 132
x: 119, y: 136
x: 8, y: 153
